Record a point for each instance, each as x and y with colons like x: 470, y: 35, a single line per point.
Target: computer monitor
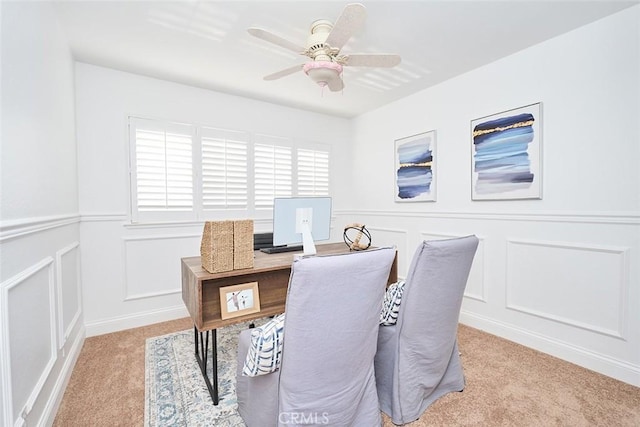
x: 301, y: 220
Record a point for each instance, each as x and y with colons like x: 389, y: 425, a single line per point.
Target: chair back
x: 417, y: 359
x: 433, y: 293
x: 331, y: 327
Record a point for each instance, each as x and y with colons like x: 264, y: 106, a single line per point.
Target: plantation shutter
x: 163, y: 166
x: 313, y: 172
x: 185, y: 172
x: 224, y: 169
x: 273, y: 176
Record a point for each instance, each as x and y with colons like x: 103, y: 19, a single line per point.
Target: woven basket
x: 216, y: 248
x: 242, y: 244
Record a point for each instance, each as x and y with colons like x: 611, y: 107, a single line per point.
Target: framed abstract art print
x: 507, y: 155
x: 415, y: 172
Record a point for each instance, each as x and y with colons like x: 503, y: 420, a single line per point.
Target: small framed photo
x: 415, y: 167
x: 238, y: 300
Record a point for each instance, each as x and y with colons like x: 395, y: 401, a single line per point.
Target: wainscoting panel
x: 542, y: 280
x: 29, y: 337
x: 69, y: 290
x: 381, y: 237
x: 563, y: 282
x: 160, y: 252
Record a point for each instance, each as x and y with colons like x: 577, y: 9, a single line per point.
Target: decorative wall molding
x: 388, y: 230
x: 610, y: 366
x: 55, y: 398
x: 104, y: 217
x: 135, y: 320
x: 23, y: 227
x: 127, y: 240
x: 7, y: 390
x: 65, y: 330
x: 178, y: 224
x: 127, y: 224
x: 400, y: 247
x: 631, y: 218
x: 623, y: 286
x: 161, y: 237
x: 150, y: 294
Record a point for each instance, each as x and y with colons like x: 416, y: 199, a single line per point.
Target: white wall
x: 559, y: 274
x: 131, y: 273
x: 40, y: 302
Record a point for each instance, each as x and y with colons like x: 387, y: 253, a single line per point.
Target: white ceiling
x: 206, y: 44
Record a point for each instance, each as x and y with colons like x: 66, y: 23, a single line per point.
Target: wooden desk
x: 201, y: 295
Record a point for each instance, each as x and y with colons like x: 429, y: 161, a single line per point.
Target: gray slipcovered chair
x: 331, y: 320
x: 417, y: 360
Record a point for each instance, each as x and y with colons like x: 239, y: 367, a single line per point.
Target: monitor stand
x: 308, y: 246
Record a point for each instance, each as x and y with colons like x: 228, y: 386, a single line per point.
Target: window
x: 163, y: 168
x: 224, y: 169
x: 273, y: 170
x: 182, y: 172
x: 313, y: 172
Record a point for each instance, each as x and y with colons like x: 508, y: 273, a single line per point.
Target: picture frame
x: 415, y: 168
x: 238, y: 300
x: 506, y: 155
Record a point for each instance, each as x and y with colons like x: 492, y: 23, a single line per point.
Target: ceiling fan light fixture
x: 323, y: 47
x: 322, y: 72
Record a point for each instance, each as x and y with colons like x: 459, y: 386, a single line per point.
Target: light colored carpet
x: 507, y: 385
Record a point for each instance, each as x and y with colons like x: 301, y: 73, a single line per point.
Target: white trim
x: 389, y: 230
x: 135, y: 297
x: 609, y: 366
x: 630, y: 218
x: 5, y: 365
x: 57, y: 393
x: 135, y: 320
x: 174, y: 224
x: 481, y: 298
x: 104, y: 217
x: 63, y: 334
x: 6, y: 352
x: 161, y: 237
x: 127, y: 224
x: 393, y: 230
x: 22, y: 227
x: 620, y: 333
x: 125, y: 281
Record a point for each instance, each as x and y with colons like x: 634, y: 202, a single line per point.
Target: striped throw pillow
x: 264, y: 353
x: 391, y: 303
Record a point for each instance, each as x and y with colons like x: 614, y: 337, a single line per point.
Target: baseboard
x: 135, y: 320
x: 603, y: 364
x: 51, y: 408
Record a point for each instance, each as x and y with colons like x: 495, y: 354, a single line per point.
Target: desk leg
x: 202, y: 349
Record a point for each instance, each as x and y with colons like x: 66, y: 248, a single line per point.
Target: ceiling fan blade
x: 372, y: 60
x: 284, y: 72
x: 351, y: 19
x: 275, y: 39
x: 335, y: 85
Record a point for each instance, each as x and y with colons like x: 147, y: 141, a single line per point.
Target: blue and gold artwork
x: 506, y: 155
x: 414, y: 168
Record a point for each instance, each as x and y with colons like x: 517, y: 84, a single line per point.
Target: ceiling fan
x: 323, y: 48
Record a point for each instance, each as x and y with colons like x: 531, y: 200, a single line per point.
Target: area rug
x: 175, y: 392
